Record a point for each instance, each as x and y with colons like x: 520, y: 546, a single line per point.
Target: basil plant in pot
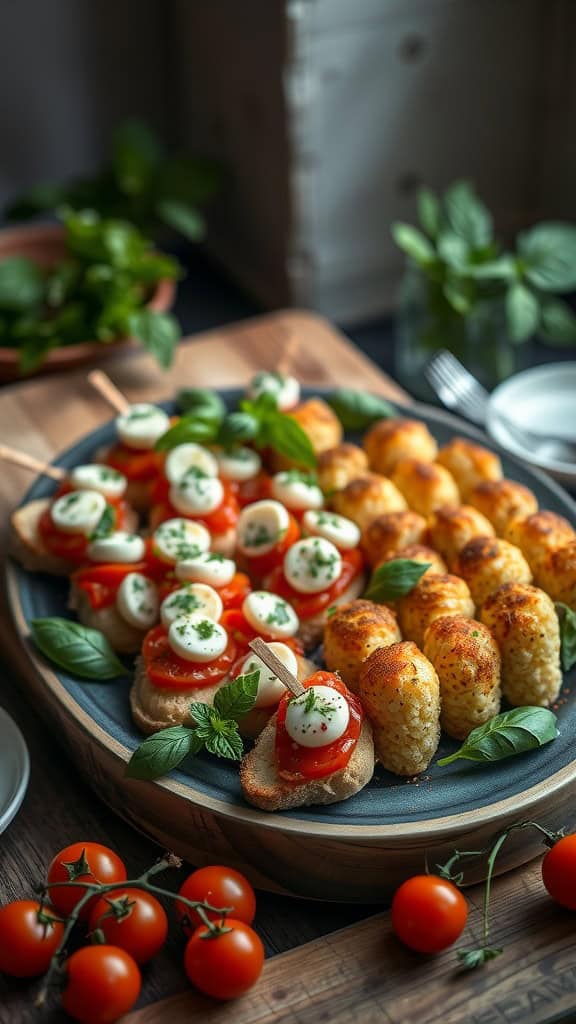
x: 463, y: 291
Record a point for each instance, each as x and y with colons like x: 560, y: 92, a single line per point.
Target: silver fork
x: 457, y: 389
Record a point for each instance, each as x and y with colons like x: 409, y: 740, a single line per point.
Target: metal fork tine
x: 456, y: 387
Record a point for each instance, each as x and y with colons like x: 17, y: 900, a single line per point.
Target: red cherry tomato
x: 298, y: 764
x: 166, y: 670
x: 226, y: 965
x: 141, y: 932
x: 428, y: 913
x: 29, y: 937
x: 73, y: 546
x: 134, y: 464
x: 217, y: 522
x: 559, y: 872
x: 220, y: 886
x: 102, y: 983
x: 101, y: 582
x: 307, y: 606
x: 82, y: 862
x: 238, y: 627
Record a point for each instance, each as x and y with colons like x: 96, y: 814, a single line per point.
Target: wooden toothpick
x: 26, y: 461
x: 263, y: 651
x: 108, y: 390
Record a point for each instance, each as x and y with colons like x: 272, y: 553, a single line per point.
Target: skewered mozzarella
x: 119, y: 546
x: 178, y: 539
x: 137, y: 601
x: 312, y: 565
x: 260, y: 526
x: 78, y: 511
x: 95, y: 477
x: 142, y: 425
x: 197, y: 638
x: 270, y: 688
x: 267, y: 613
x: 318, y: 717
x: 194, y: 598
x: 196, y: 494
x: 189, y: 456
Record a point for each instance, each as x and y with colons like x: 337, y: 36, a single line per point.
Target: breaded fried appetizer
x: 389, y: 441
x: 392, y: 532
x: 401, y: 695
x: 433, y: 596
x: 469, y: 463
x: 539, y: 534
x: 321, y: 425
x: 501, y: 501
x: 425, y: 485
x: 352, y: 633
x: 338, y: 466
x: 418, y: 553
x: 524, y: 624
x: 452, y: 526
x: 467, y: 661
x: 557, y: 574
x: 367, y: 497
x: 488, y: 562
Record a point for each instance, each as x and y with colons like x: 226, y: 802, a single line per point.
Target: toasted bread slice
x: 311, y: 630
x: 155, y: 708
x: 262, y: 786
x: 124, y: 638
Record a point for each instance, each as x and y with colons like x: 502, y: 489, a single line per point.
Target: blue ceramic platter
x: 387, y: 802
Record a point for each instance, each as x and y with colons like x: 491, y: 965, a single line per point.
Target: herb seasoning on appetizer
x: 218, y: 572
x: 265, y: 532
x: 284, y: 389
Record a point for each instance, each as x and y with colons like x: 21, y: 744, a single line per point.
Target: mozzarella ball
x: 537, y: 535
x: 318, y: 717
x: 433, y: 596
x: 321, y: 425
x: 118, y: 546
x: 270, y: 687
x: 469, y: 463
x: 190, y: 456
x: 284, y: 389
x: 137, y: 601
x: 501, y: 501
x: 352, y: 633
x: 78, y: 511
x: 296, y: 490
x: 193, y: 597
x: 207, y: 567
x: 524, y: 624
x: 557, y: 574
x: 390, y: 441
x: 367, y: 497
x: 197, y: 638
x: 312, y: 565
x: 261, y: 526
x: 196, y: 494
x: 488, y: 562
x: 467, y: 661
x: 269, y: 614
x: 338, y: 466
x: 94, y: 476
x: 418, y: 553
x: 238, y: 464
x: 342, y: 532
x: 142, y: 425
x: 452, y: 526
x: 400, y: 693
x: 392, y: 532
x: 177, y: 539
x: 426, y: 486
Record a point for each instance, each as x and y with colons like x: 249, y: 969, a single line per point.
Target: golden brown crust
x: 452, y: 526
x: 433, y: 596
x: 367, y: 497
x: 419, y: 553
x: 469, y: 463
x: 539, y: 534
x: 338, y: 466
x: 400, y: 692
x: 488, y: 562
x: 393, y: 531
x: 390, y: 440
x: 352, y: 633
x: 467, y: 660
x: 501, y: 501
x: 426, y: 486
x: 557, y: 574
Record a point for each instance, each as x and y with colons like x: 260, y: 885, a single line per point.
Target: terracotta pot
x: 44, y: 243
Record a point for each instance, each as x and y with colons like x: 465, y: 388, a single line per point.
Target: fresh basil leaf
x: 78, y: 649
x: 161, y: 752
x: 238, y: 697
x: 60, y: 283
x: 522, y: 312
x: 567, y: 619
x: 105, y: 524
x: 187, y: 429
x: 225, y: 740
x: 202, y: 403
x: 458, y: 293
x: 287, y: 438
x: 394, y: 579
x: 182, y: 217
x: 513, y: 732
x: 502, y: 269
x: 454, y: 251
x: 236, y: 428
x: 137, y: 153
x: 471, y: 958
x: 467, y: 215
x: 413, y: 243
x: 21, y: 283
x: 357, y: 410
x: 549, y: 255
x: 158, y: 332
x: 429, y: 212
x: 557, y: 322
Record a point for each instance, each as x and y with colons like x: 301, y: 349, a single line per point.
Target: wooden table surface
x: 357, y: 973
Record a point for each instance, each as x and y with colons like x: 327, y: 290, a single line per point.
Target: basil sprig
x: 277, y: 430
x: 357, y: 410
x: 395, y: 579
x: 567, y: 620
x: 511, y: 733
x: 203, y: 403
x: 78, y: 649
x: 215, y: 728
x: 105, y: 524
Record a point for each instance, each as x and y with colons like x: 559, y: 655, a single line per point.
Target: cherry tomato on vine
x: 142, y: 929
x: 226, y: 965
x: 559, y: 872
x: 102, y: 983
x: 90, y: 862
x: 29, y: 936
x: 428, y: 913
x: 220, y: 886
